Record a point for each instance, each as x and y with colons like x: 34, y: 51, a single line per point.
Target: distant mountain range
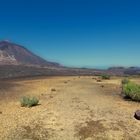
x: 18, y: 61
x: 125, y: 71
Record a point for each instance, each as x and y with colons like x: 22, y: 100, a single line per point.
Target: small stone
x: 53, y: 89
x: 62, y: 129
x: 102, y: 86
x: 98, y: 80
x: 51, y: 96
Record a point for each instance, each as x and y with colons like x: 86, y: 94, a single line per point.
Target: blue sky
x: 80, y: 33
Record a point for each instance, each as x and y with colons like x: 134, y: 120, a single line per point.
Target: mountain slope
x: 14, y: 54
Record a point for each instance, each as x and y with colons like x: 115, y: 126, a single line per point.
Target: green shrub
x: 125, y: 81
x: 132, y: 90
x: 105, y: 76
x: 29, y: 102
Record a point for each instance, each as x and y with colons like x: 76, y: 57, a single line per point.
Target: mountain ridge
x: 17, y: 61
x: 14, y: 54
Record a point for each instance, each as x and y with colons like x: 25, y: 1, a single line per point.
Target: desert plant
x: 132, y: 90
x: 105, y: 76
x: 29, y: 102
x: 125, y: 81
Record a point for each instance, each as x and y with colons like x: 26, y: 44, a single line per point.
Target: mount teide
x: 14, y: 54
x: 17, y: 61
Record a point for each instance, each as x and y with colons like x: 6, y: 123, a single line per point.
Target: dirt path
x: 79, y: 109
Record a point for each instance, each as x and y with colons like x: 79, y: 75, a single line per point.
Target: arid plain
x: 70, y: 108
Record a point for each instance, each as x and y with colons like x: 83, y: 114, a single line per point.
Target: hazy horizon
x: 80, y: 33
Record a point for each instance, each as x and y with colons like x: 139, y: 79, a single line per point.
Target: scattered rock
x: 42, y: 94
x: 53, y: 89
x: 61, y: 129
x: 99, y: 80
x: 65, y: 82
x: 94, y: 78
x: 51, y: 96
x: 0, y: 112
x: 137, y: 115
x: 102, y: 86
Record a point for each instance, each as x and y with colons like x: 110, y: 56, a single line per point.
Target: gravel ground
x: 80, y: 108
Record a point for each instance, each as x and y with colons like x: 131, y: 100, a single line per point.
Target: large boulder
x: 137, y: 115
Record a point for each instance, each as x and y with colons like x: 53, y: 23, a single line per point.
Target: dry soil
x: 70, y: 108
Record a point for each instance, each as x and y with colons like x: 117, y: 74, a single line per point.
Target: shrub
x: 132, y: 90
x: 29, y: 102
x: 105, y: 76
x: 125, y: 81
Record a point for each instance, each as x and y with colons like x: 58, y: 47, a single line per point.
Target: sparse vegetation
x: 125, y: 81
x: 106, y: 76
x: 131, y: 90
x: 29, y: 102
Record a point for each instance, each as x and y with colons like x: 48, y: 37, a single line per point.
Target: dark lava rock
x: 137, y: 115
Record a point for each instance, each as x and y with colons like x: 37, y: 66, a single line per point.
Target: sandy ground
x: 80, y: 109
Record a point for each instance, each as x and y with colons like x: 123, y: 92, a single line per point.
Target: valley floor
x: 80, y: 109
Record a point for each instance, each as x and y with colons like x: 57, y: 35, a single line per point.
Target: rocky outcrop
x: 137, y: 115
